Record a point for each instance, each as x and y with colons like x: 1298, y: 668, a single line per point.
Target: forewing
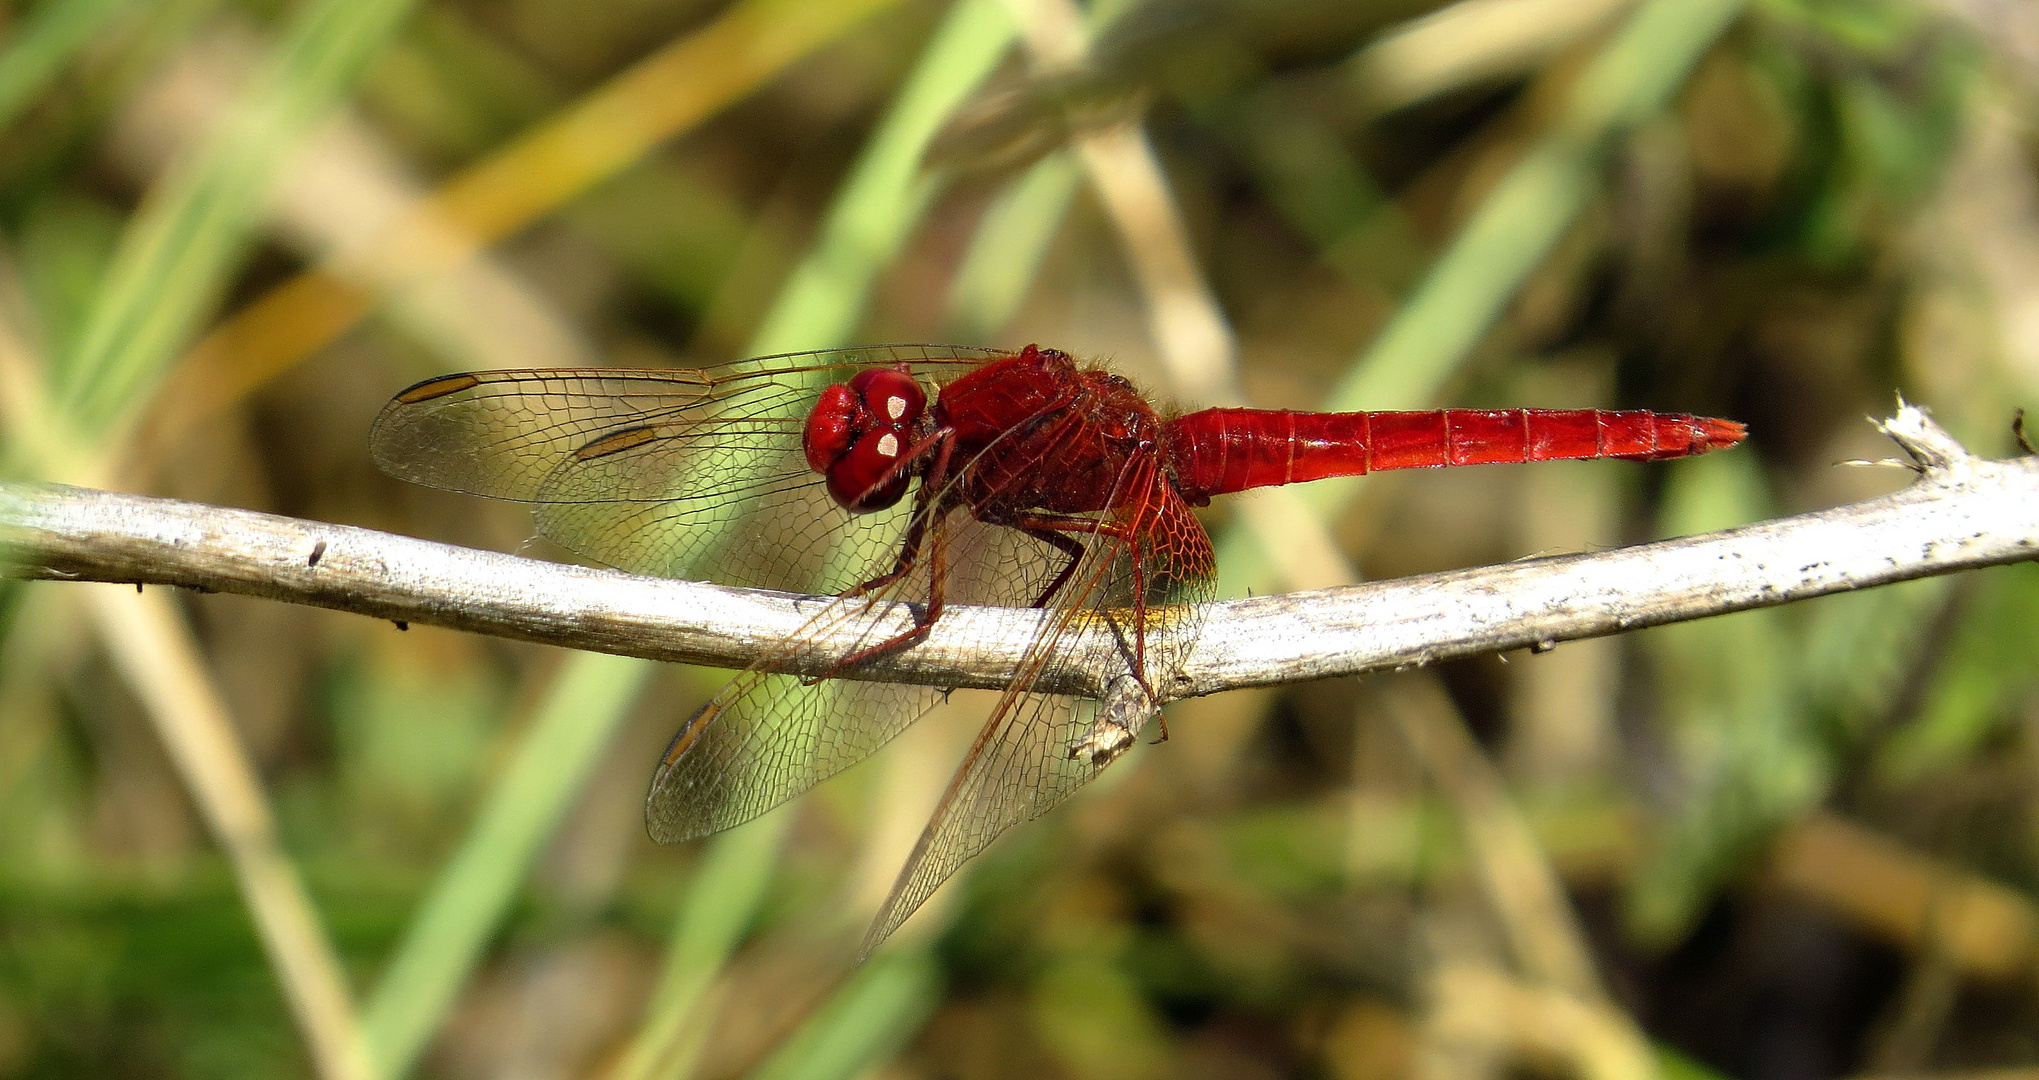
x: 501, y: 433
x: 1026, y: 759
x: 737, y: 506
x: 680, y: 473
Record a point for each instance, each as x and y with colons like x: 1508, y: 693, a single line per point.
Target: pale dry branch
x: 1962, y: 512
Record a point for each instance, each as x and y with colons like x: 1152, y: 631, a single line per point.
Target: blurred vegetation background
x: 244, y: 839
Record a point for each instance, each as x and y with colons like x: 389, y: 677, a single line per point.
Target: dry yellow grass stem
x: 1986, y: 930
x: 1189, y: 328
x: 1482, y: 1010
x: 1517, y: 879
x: 154, y: 649
x: 1470, y: 41
x: 334, y: 203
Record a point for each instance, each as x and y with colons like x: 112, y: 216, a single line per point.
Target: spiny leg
x: 932, y: 482
x: 1054, y: 530
x: 1064, y: 543
x: 924, y: 619
x: 1140, y: 633
x: 935, y: 543
x: 932, y: 505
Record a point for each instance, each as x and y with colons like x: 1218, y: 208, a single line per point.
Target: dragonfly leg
x: 1140, y: 628
x: 923, y: 620
x: 939, y: 444
x: 1054, y: 530
x: 1140, y: 642
x: 1064, y: 543
x: 925, y: 534
x: 1139, y: 665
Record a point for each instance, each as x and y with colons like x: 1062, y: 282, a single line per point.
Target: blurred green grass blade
x: 887, y: 190
x: 184, y: 243
x: 1990, y: 664
x: 1096, y: 1020
x: 677, y: 230
x: 1632, y: 79
x: 46, y: 41
x: 1747, y: 750
x: 572, y: 729
x: 1472, y: 283
x: 1859, y: 646
x: 871, y: 1017
x: 64, y: 244
x: 1308, y: 173
x: 1005, y: 255
x: 1306, y: 170
x: 865, y: 1023
x: 723, y: 899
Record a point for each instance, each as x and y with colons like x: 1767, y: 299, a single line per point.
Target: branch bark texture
x: 1962, y: 512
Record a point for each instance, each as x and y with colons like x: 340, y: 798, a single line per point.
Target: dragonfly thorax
x: 859, y: 434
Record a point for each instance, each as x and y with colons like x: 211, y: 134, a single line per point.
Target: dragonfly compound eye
x: 891, y: 395
x: 858, y: 480
x: 831, y: 427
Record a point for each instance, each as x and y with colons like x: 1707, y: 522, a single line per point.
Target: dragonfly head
x: 859, y: 434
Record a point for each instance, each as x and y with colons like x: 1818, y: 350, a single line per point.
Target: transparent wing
x: 766, y: 738
x: 1025, y: 760
x: 659, y: 472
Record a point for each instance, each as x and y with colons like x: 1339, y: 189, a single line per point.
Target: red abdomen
x: 1224, y: 450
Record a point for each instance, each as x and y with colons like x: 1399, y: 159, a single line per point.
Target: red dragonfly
x: 931, y: 474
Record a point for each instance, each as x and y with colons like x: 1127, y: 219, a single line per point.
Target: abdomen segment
x: 1224, y: 450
